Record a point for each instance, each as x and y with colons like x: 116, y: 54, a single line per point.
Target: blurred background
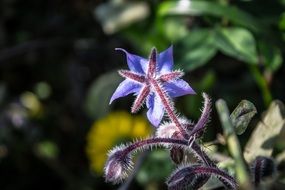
x: 58, y: 70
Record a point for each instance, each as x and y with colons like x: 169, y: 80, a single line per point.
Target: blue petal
x: 125, y: 88
x: 136, y: 63
x: 155, y: 111
x: 178, y: 88
x: 165, y: 61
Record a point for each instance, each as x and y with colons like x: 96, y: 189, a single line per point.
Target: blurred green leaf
x: 262, y: 140
x: 146, y: 39
x: 47, y: 149
x: 156, y: 167
x: 242, y: 115
x: 262, y: 84
x: 99, y: 94
x: 197, y: 48
x: 208, y: 80
x: 238, y: 43
x: 174, y: 29
x: 271, y: 56
x: 115, y: 15
x: 190, y: 104
x: 42, y: 90
x: 282, y: 21
x: 200, y: 7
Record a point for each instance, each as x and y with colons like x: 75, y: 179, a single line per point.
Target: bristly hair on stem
x: 204, y: 118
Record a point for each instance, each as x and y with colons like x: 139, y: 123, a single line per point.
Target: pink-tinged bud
x: 167, y: 130
x: 117, y: 167
x: 113, y: 170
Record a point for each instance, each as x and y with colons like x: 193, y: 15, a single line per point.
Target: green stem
x: 233, y: 145
x: 262, y: 84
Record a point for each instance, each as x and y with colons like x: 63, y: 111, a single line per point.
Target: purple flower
x: 152, y: 81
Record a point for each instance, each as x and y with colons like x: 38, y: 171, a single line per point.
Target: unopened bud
x: 263, y: 167
x: 186, y: 178
x: 117, y: 167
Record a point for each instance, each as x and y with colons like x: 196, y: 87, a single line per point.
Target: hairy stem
x: 225, y: 178
x: 169, y: 108
x: 153, y: 141
x: 161, y: 141
x: 205, y: 116
x: 202, y: 155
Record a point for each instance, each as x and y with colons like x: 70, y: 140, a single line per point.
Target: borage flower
x: 153, y: 81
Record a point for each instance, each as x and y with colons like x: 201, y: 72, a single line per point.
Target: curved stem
x: 233, y: 145
x: 225, y: 178
x: 168, y: 108
x: 205, y: 116
x: 202, y: 155
x: 153, y: 141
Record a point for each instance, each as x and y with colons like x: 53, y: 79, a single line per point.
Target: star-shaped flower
x: 154, y: 81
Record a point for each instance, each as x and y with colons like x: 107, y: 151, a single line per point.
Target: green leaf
x: 174, y: 29
x: 264, y: 136
x: 47, y: 149
x: 115, y: 15
x: 197, y: 49
x: 99, y: 94
x: 271, y: 56
x: 238, y: 43
x: 242, y: 115
x: 198, y: 8
x: 156, y: 167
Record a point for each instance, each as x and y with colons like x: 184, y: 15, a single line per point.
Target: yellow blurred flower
x: 111, y: 130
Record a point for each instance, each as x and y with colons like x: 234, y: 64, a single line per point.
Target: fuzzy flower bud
x: 263, y: 167
x: 168, y: 129
x: 117, y: 166
x: 186, y: 178
x: 195, y: 176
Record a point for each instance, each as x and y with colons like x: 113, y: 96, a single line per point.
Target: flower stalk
x: 234, y: 146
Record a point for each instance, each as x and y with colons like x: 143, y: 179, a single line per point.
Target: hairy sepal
x: 195, y: 176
